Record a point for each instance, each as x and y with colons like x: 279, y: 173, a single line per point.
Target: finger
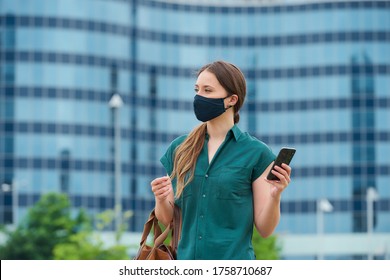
x: 281, y: 183
x: 163, y: 193
x: 280, y: 171
x: 166, y: 183
x: 276, y: 184
x: 156, y: 183
x: 287, y: 168
x: 279, y: 175
x: 284, y: 172
x: 162, y: 187
x: 158, y: 180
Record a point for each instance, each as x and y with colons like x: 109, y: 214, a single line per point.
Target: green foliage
x: 87, y: 245
x: 105, y: 218
x: 47, y: 224
x: 50, y: 232
x: 265, y: 248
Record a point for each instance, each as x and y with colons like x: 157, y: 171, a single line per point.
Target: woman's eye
x: 207, y: 90
x: 196, y: 89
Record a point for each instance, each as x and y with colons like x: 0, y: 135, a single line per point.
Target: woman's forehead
x: 207, y: 78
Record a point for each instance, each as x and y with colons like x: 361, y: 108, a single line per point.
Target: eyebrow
x: 204, y: 86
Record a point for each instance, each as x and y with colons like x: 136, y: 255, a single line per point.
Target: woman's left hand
x: 283, y: 173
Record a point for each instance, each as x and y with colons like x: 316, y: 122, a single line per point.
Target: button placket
x: 201, y: 217
x: 206, y: 177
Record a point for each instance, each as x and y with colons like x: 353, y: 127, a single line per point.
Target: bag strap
x: 159, y: 236
x: 151, y: 222
x: 176, y: 227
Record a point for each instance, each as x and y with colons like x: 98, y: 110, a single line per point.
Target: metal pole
x: 323, y: 205
x: 370, y: 198
x: 369, y: 225
x: 15, y: 200
x: 118, y: 192
x: 320, y: 229
x: 15, y: 204
x: 115, y: 103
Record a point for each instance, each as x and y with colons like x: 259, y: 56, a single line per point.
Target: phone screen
x: 285, y: 156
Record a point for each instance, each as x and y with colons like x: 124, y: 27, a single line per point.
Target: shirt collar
x: 235, y: 131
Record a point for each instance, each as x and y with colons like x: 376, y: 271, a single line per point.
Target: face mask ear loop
x: 230, y: 106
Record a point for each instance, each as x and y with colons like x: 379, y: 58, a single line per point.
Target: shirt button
x: 201, y: 216
x: 207, y: 175
x: 204, y: 195
x: 200, y: 237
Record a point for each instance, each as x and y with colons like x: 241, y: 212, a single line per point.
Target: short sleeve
x: 265, y: 159
x: 167, y: 159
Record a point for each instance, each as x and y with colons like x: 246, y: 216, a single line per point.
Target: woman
x: 218, y: 174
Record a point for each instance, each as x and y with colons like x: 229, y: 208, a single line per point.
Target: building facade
x: 318, y: 75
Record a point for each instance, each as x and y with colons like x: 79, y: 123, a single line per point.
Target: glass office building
x: 318, y: 75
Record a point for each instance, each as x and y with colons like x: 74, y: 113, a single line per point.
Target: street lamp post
x: 115, y: 104
x: 371, y: 197
x: 15, y: 200
x: 323, y: 205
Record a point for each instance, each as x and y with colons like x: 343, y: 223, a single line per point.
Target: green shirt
x: 217, y: 205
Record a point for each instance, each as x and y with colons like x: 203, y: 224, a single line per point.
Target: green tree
x: 88, y: 245
x: 47, y: 224
x: 265, y: 248
x: 49, y: 232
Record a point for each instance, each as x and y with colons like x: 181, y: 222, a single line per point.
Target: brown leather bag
x: 159, y: 250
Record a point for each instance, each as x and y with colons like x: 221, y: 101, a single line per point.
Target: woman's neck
x: 219, y: 127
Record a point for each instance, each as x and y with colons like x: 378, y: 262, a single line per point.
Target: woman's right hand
x: 162, y: 188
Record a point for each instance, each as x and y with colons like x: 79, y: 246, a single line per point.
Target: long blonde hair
x: 186, y: 154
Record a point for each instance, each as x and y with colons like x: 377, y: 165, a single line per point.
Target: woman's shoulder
x: 262, y: 149
x: 178, y: 140
x: 167, y: 158
x: 254, y: 141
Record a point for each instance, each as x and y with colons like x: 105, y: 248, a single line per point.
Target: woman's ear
x: 232, y: 100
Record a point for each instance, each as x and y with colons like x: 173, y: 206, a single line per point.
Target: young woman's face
x: 208, y: 86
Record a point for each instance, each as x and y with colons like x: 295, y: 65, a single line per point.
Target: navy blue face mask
x: 208, y: 108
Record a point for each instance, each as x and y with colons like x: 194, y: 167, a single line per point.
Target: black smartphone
x: 285, y: 156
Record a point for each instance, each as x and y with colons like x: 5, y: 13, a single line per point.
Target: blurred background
x: 92, y: 92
